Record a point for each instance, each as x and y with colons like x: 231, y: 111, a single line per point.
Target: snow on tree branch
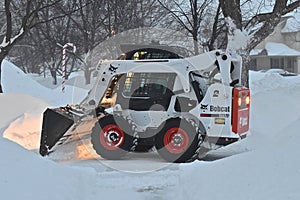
x: 237, y: 39
x: 6, y: 42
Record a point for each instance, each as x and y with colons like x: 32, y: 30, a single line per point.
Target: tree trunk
x: 53, y: 74
x: 196, y: 47
x: 245, y: 73
x: 248, y: 64
x: 87, y: 75
x: 231, y: 8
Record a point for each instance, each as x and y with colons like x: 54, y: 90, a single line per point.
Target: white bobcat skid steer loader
x: 179, y: 106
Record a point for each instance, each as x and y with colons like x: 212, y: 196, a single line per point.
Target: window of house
x: 286, y: 63
x: 290, y: 64
x: 277, y: 63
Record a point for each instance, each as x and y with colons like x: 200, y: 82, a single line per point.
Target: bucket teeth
x: 56, y: 123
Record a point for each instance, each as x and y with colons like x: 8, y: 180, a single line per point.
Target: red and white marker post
x: 64, y: 57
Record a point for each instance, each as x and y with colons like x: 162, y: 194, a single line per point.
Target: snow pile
x: 22, y: 117
x: 75, y: 79
x: 15, y: 80
x: 26, y: 128
x: 275, y: 103
x: 254, y: 52
x: 265, y: 82
x: 26, y: 175
x: 13, y: 106
x: 271, y: 169
x: 269, y: 173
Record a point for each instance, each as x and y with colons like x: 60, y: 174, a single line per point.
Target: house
x: 282, y: 48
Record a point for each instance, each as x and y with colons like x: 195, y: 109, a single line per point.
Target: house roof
x: 275, y: 49
x: 279, y: 49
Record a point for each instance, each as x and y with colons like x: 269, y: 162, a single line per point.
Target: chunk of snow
x: 12, y: 106
x: 237, y: 39
x: 255, y: 52
x: 25, y: 130
x: 6, y: 43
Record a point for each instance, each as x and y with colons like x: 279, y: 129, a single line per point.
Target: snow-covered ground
x: 265, y: 165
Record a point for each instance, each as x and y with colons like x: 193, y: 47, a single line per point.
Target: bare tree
x: 23, y: 15
x: 49, y: 38
x: 88, y: 26
x: 83, y: 22
x: 259, y: 26
x: 189, y: 15
x: 18, y: 23
x: 103, y: 19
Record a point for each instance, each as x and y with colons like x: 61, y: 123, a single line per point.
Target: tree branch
x: 175, y: 16
x: 59, y: 16
x: 267, y: 16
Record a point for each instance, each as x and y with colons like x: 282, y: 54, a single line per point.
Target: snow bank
x: 76, y: 79
x: 21, y: 116
x: 25, y: 130
x: 269, y: 173
x: 275, y: 102
x: 15, y: 80
x: 261, y: 82
x: 271, y: 169
x: 13, y: 106
x: 24, y: 175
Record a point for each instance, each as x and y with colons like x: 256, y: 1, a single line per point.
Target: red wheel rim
x: 176, y: 140
x: 111, y: 137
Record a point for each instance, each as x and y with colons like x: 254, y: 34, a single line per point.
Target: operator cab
x: 140, y: 91
x: 145, y: 91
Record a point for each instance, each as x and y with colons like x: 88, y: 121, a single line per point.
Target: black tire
x: 177, y: 141
x: 110, y: 137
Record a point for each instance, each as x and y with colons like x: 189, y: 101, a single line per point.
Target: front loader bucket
x: 55, y: 124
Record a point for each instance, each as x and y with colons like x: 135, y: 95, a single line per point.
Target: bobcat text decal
x: 219, y: 108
